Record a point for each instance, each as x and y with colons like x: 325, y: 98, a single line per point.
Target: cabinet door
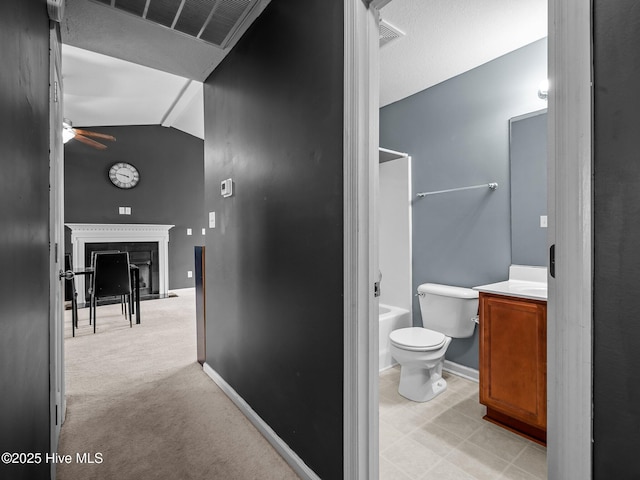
x: 513, y: 358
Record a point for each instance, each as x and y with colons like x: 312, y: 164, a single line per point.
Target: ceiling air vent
x: 388, y: 33
x: 212, y: 21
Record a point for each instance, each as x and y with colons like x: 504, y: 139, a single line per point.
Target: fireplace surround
x: 103, y: 233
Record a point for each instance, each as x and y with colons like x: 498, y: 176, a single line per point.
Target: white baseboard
x: 462, y: 371
x: 185, y: 291
x: 294, y: 461
x: 387, y: 367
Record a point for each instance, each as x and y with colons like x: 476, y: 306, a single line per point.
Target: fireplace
x: 148, y: 247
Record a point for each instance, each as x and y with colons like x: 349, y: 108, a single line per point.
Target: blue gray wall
x: 457, y: 133
x: 274, y: 266
x: 24, y: 236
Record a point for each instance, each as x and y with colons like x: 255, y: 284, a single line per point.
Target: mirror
x: 528, y: 182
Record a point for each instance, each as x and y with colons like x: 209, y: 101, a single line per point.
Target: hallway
x: 137, y: 397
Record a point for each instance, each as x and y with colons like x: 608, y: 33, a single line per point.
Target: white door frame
x: 570, y: 213
x: 361, y: 110
x: 57, y: 404
x: 569, y: 316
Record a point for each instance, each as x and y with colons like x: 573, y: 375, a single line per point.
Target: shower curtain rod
x: 492, y: 186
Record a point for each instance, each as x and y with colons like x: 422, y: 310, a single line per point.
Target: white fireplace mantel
x: 83, y: 233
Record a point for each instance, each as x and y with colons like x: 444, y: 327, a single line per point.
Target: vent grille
x: 193, y: 16
x: 136, y: 7
x: 212, y: 21
x: 224, y: 20
x: 163, y: 11
x: 388, y: 33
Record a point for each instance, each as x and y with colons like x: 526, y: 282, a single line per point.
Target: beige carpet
x: 138, y: 397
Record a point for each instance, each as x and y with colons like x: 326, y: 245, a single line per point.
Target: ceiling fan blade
x: 88, y: 133
x: 88, y: 141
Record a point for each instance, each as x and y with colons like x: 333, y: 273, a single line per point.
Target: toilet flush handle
x: 476, y: 319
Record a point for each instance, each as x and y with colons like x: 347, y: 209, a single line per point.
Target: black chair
x: 70, y: 293
x: 111, y: 278
x: 93, y: 266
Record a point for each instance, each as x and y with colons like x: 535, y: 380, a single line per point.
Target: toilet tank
x: 447, y: 309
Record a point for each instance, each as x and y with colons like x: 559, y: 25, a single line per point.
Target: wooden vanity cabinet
x: 513, y: 364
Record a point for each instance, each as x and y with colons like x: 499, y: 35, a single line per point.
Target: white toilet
x: 447, y: 312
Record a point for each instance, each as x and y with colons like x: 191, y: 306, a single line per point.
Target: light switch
x: 127, y: 210
x: 204, y: 231
x: 212, y: 219
x: 189, y: 231
x: 189, y: 274
x: 121, y: 210
x: 543, y: 221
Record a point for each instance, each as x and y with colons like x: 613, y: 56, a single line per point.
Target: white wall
x: 395, y: 232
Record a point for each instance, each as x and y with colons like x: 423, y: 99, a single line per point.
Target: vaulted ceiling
x: 115, y: 28
x: 142, y: 62
x: 100, y: 90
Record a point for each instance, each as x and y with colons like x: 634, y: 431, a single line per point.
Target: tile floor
x: 446, y: 438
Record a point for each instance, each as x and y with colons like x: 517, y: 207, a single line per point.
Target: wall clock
x: 124, y: 175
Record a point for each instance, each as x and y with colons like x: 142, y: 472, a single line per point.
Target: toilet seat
x: 417, y: 339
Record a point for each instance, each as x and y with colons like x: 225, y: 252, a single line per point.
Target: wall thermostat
x: 226, y: 188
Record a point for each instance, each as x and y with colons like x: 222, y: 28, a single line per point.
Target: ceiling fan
x: 69, y: 133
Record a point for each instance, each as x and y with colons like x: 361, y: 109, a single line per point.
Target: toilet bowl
x: 420, y: 351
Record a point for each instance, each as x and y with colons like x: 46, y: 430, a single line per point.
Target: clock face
x: 124, y: 175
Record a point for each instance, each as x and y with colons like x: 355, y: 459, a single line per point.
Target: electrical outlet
x: 212, y: 219
x: 189, y: 231
x: 121, y: 210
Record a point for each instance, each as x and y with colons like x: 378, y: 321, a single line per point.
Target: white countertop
x: 523, y: 282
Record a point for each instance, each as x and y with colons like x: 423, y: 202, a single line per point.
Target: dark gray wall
x: 616, y: 303
x: 457, y: 134
x: 528, y: 162
x: 274, y: 266
x: 170, y: 192
x: 24, y: 235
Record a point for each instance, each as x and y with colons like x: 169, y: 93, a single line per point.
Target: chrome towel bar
x: 492, y: 186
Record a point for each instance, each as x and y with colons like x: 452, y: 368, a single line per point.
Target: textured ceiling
x: 446, y: 38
